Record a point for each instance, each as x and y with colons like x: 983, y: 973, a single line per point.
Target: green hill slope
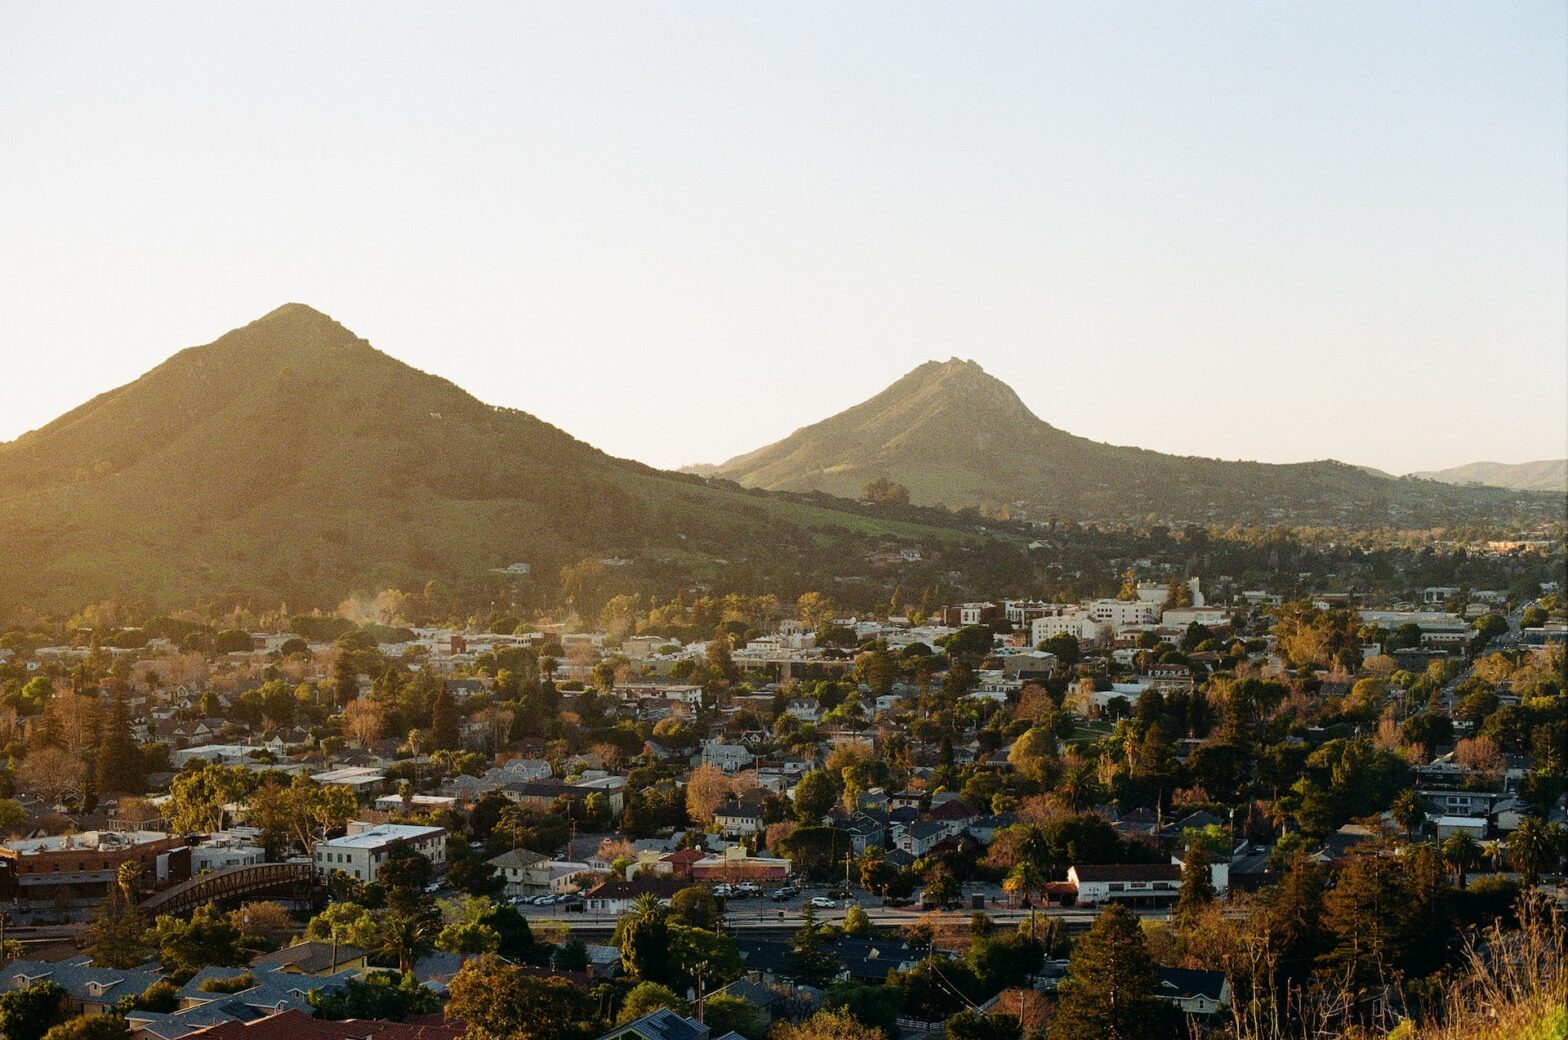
x: 290, y: 459
x: 956, y: 436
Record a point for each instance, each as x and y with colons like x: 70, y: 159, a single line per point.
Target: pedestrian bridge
x: 230, y: 883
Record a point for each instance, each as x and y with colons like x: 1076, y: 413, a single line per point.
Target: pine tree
x: 443, y: 721
x: 345, y: 680
x: 810, y: 962
x: 1109, y: 990
x: 118, y: 765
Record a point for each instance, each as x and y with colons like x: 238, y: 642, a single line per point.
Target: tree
x: 1064, y: 645
x: 696, y: 907
x: 857, y: 922
x: 885, y: 492
x: 91, y: 1027
x: 475, y: 876
x: 814, y: 796
x: 118, y: 762
x: 443, y: 722
x: 468, y: 939
x: 1361, y: 914
x: 644, y: 940
x: 719, y: 658
x: 1460, y: 852
x: 204, y: 939
x: 1109, y: 990
x: 644, y: 999
x: 28, y: 1013
x: 724, y: 1014
x: 1197, y: 886
x: 825, y: 1025
x: 498, y: 1001
x: 1407, y: 812
x: 409, y: 934
x: 1533, y: 847
x: 53, y: 774
x: 197, y: 797
x: 364, y: 719
x: 875, y: 1007
x: 381, y: 995
x: 706, y: 789
x: 809, y: 961
x: 115, y: 939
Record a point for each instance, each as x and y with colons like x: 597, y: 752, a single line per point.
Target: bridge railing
x: 226, y: 883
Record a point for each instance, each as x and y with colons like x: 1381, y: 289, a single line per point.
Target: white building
x: 361, y: 852
x: 1074, y: 622
x: 1119, y: 612
x: 226, y: 850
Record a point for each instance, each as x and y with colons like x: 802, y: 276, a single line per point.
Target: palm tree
x: 647, y: 905
x: 1024, y: 878
x: 1534, y: 846
x: 129, y: 878
x: 1407, y: 812
x: 1461, y: 852
x: 408, y: 936
x: 1494, y: 850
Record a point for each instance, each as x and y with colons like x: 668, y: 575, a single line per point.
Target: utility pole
x: 700, y: 968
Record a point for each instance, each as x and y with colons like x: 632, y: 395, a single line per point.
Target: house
x: 731, y: 758
x: 1195, y: 992
x: 1446, y: 826
x: 364, y: 781
x: 616, y: 896
x: 91, y: 990
x: 662, y: 1024
x: 361, y: 852
x: 1125, y: 882
x: 921, y: 836
x: 312, y: 958
x: 514, y: 868
x: 739, y: 820
x: 735, y: 864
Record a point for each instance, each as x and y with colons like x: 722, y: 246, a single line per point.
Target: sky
x: 1272, y: 231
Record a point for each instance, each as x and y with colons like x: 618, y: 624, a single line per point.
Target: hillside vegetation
x: 956, y: 436
x: 290, y: 459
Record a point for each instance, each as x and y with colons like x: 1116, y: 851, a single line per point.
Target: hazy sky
x: 1255, y: 230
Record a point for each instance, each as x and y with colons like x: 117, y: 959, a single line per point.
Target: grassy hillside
x: 958, y: 437
x: 290, y: 459
x: 1544, y: 475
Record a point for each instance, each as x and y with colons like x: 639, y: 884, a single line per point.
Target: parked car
x: 786, y: 893
x: 823, y: 903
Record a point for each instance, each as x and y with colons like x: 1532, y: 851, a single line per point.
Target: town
x: 726, y: 814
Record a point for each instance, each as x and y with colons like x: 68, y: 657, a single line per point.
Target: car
x: 785, y: 893
x: 723, y: 891
x: 823, y: 903
x: 433, y: 888
x: 543, y: 900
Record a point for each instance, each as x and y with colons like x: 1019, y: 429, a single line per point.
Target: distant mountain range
x: 956, y: 436
x: 1545, y: 475
x: 289, y: 459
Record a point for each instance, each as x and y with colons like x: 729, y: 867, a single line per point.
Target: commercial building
x: 361, y: 852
